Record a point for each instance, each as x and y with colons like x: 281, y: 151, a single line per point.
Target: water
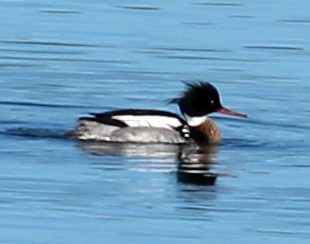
x: 59, y: 61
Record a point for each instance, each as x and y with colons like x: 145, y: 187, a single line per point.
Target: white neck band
x: 195, y: 121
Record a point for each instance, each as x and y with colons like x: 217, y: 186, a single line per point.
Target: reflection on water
x: 129, y: 149
x: 194, y: 164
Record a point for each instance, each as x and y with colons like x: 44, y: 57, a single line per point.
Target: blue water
x: 59, y: 61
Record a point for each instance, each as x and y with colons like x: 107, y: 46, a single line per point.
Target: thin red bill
x: 226, y: 111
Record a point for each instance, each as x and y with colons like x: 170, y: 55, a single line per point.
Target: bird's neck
x: 206, y: 133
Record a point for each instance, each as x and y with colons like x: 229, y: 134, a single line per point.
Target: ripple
x: 59, y: 11
x: 218, y: 4
x: 143, y: 8
x: 191, y: 57
x: 198, y: 23
x: 36, y: 132
x: 294, y: 21
x: 242, y: 16
x: 9, y: 65
x: 48, y: 43
x: 243, y: 143
x: 58, y: 59
x: 40, y: 51
x: 288, y: 48
x: 37, y: 104
x: 185, y: 49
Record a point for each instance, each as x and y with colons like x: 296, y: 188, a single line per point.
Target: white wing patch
x: 149, y: 121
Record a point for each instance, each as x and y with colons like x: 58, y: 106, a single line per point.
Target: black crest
x: 200, y: 98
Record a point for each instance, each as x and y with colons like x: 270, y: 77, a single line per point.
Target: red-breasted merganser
x: 157, y: 126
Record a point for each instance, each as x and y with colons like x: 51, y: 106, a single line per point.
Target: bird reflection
x: 130, y: 149
x: 194, y: 164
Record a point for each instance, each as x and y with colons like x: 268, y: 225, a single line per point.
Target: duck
x: 194, y: 126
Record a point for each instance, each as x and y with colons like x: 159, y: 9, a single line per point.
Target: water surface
x: 59, y: 61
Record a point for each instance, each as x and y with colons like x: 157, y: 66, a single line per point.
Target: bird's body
x: 133, y: 126
x: 157, y: 126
